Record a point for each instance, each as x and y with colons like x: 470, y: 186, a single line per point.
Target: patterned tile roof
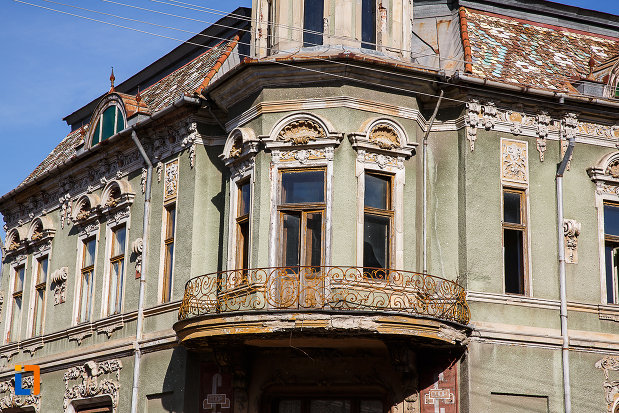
x: 528, y: 53
x: 186, y: 80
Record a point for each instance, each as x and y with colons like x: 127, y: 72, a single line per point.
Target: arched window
x: 110, y: 122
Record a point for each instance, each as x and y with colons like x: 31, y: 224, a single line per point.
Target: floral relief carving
x: 471, y: 120
x: 92, y: 381
x: 571, y: 230
x: 170, y: 183
x: 300, y: 132
x: 543, y: 124
x: 611, y: 387
x: 11, y: 401
x: 384, y: 136
x: 302, y: 156
x: 490, y: 115
x: 159, y: 170
x: 514, y: 161
x: 59, y: 281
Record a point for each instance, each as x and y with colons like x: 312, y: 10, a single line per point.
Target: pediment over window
x: 117, y: 195
x: 302, y: 130
x: 41, y: 230
x: 383, y: 136
x: 16, y: 240
x: 605, y: 174
x: 241, y: 144
x: 86, y: 208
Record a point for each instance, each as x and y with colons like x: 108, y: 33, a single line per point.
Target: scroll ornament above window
x: 41, y: 232
x: 241, y: 145
x: 605, y: 174
x: 16, y: 241
x: 382, y: 141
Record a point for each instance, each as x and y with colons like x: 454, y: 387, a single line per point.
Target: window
x: 168, y: 245
x: 313, y: 24
x: 368, y: 24
x: 242, y: 225
x: 377, y: 223
x: 301, y: 210
x: 327, y: 404
x: 110, y: 122
x: 39, y: 296
x: 18, y: 293
x: 270, y: 25
x: 117, y: 264
x: 87, y: 279
x: 514, y: 241
x: 611, y: 246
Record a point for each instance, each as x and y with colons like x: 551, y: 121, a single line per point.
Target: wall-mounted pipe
x: 425, y: 185
x: 145, y: 234
x: 562, y: 285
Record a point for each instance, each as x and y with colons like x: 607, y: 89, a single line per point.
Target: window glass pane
x: 19, y: 279
x: 96, y: 135
x: 313, y: 240
x: 38, y: 316
x: 299, y: 187
x: 514, y: 261
x: 289, y: 406
x: 86, y: 296
x: 171, y: 221
x: 377, y: 191
x: 89, y: 253
x: 243, y: 245
x: 329, y: 406
x: 368, y: 24
x: 376, y: 241
x: 42, y: 271
x: 244, y: 200
x: 109, y: 121
x: 167, y: 277
x: 371, y: 406
x: 120, y: 121
x: 119, y: 241
x: 313, y: 22
x: 15, y: 319
x: 611, y: 219
x: 511, y: 207
x: 612, y: 273
x: 116, y: 284
x: 291, y: 241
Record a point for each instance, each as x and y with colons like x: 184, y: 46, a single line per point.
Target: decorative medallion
x: 514, y: 161
x: 613, y: 169
x: 170, y: 182
x: 384, y: 136
x: 300, y: 132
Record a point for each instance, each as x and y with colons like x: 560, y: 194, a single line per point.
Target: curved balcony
x: 249, y: 301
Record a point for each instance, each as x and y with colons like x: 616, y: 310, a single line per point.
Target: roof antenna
x: 112, y: 79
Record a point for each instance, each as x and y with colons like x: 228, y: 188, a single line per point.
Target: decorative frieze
x: 10, y: 401
x: 59, y: 282
x: 514, y: 161
x: 302, y: 155
x: 611, y: 387
x: 94, y: 379
x: 571, y: 231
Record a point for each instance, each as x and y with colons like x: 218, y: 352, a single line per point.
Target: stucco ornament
x: 490, y: 115
x: 571, y: 231
x: 59, y: 281
x: 138, y: 247
x: 92, y: 383
x: 143, y: 178
x: 300, y: 132
x: 514, y: 160
x: 516, y: 119
x: 170, y: 183
x: 569, y: 128
x: 613, y: 169
x: 472, y: 119
x: 543, y: 126
x: 384, y: 136
x: 611, y: 387
x: 11, y: 401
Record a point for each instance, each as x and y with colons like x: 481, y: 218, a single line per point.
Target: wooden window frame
x: 614, y: 239
x: 169, y: 239
x: 242, y: 243
x: 389, y: 213
x: 40, y: 285
x: 17, y: 294
x: 90, y: 269
x: 303, y: 209
x: 112, y: 308
x: 522, y: 227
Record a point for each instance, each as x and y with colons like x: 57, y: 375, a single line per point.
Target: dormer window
x: 110, y: 122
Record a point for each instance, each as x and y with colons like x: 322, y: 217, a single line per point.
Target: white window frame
x: 18, y: 262
x: 109, y: 228
x: 236, y: 178
x: 33, y: 289
x: 167, y: 202
x: 87, y: 233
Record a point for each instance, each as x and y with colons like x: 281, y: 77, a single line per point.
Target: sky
x: 52, y: 64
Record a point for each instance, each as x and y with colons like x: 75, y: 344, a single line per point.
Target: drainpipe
x: 425, y: 185
x: 140, y: 321
x: 560, y: 233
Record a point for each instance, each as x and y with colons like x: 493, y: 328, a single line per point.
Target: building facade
x: 331, y: 206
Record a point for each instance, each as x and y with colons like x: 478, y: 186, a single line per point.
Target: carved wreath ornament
x: 91, y: 383
x: 300, y: 132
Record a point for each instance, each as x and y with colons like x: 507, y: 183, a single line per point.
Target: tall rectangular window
x: 16, y: 307
x: 313, y: 23
x: 39, y: 296
x: 377, y: 224
x: 368, y: 24
x: 117, y: 270
x: 86, y: 281
x: 611, y: 246
x: 242, y: 225
x: 168, y: 245
x: 514, y: 240
x: 302, y: 210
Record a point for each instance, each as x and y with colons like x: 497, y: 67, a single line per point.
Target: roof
x: 527, y: 53
x: 192, y: 77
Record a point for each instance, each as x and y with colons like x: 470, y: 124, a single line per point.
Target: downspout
x: 140, y: 321
x: 425, y: 185
x: 560, y: 233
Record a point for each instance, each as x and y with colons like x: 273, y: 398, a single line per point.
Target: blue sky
x: 52, y: 64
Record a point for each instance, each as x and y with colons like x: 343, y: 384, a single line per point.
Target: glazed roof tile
x: 528, y: 53
x: 184, y: 80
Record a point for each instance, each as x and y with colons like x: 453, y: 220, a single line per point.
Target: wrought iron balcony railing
x: 325, y: 288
